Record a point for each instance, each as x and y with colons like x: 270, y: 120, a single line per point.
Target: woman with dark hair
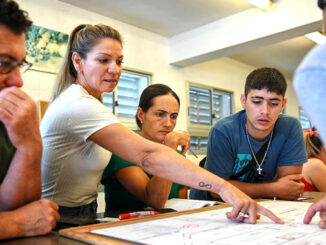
x: 314, y: 171
x: 126, y: 185
x: 79, y: 133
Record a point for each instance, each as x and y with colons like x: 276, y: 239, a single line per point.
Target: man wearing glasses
x: 21, y: 211
x: 310, y: 85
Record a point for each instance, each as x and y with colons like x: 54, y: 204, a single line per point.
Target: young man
x: 310, y: 85
x: 258, y: 150
x: 21, y: 211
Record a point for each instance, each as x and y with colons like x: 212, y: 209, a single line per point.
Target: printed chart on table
x: 212, y: 227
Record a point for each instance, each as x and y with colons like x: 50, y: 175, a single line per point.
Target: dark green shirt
x: 116, y: 196
x: 7, y: 152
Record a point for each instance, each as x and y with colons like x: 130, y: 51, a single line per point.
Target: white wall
x: 144, y: 51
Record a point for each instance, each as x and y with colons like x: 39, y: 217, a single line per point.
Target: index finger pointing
x: 319, y: 206
x: 269, y: 214
x: 309, y: 214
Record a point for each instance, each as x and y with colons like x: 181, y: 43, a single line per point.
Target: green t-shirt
x: 7, y: 152
x: 116, y: 196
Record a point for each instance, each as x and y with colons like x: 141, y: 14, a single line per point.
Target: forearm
x: 287, y: 186
x: 9, y: 225
x: 183, y: 193
x: 256, y: 190
x: 157, y: 192
x: 156, y: 159
x: 180, y: 170
x: 22, y: 183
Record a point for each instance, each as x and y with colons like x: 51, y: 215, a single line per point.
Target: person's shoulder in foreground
x: 309, y: 84
x: 21, y: 211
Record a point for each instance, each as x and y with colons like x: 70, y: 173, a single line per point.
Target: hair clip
x: 310, y: 132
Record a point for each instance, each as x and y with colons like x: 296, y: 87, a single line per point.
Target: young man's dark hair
x: 14, y: 18
x: 268, y: 78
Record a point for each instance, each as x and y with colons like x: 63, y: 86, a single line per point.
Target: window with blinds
x: 108, y: 101
x: 206, y: 106
x: 222, y: 104
x: 198, y: 143
x: 200, y: 105
x: 123, y: 101
x: 130, y: 87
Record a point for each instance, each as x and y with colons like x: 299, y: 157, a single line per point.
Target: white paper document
x: 212, y: 227
x: 186, y: 204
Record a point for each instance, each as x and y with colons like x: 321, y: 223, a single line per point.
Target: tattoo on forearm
x: 202, y: 184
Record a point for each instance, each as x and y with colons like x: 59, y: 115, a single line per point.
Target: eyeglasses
x: 8, y: 64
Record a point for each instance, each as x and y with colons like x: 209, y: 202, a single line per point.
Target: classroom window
x: 304, y: 120
x: 108, y: 101
x: 123, y: 101
x: 198, y: 144
x: 222, y: 104
x: 206, y: 105
x: 200, y: 105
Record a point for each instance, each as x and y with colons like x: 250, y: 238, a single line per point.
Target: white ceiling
x: 285, y: 56
x: 164, y: 17
x: 171, y: 18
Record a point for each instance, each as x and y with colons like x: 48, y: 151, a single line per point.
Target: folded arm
x: 287, y: 186
x: 154, y: 192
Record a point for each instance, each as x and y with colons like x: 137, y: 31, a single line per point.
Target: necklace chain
x: 259, y: 169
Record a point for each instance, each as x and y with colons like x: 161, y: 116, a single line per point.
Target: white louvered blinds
x: 198, y: 143
x: 129, y: 90
x: 200, y: 105
x: 222, y: 104
x: 123, y: 102
x: 206, y: 105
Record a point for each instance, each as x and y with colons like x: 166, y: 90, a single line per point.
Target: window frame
x: 126, y: 121
x: 202, y: 130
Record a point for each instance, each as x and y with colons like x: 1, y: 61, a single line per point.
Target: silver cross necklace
x: 259, y: 169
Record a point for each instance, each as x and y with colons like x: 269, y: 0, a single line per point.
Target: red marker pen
x: 137, y: 214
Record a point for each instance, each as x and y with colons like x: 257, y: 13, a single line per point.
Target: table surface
x: 54, y: 239
x: 313, y: 196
